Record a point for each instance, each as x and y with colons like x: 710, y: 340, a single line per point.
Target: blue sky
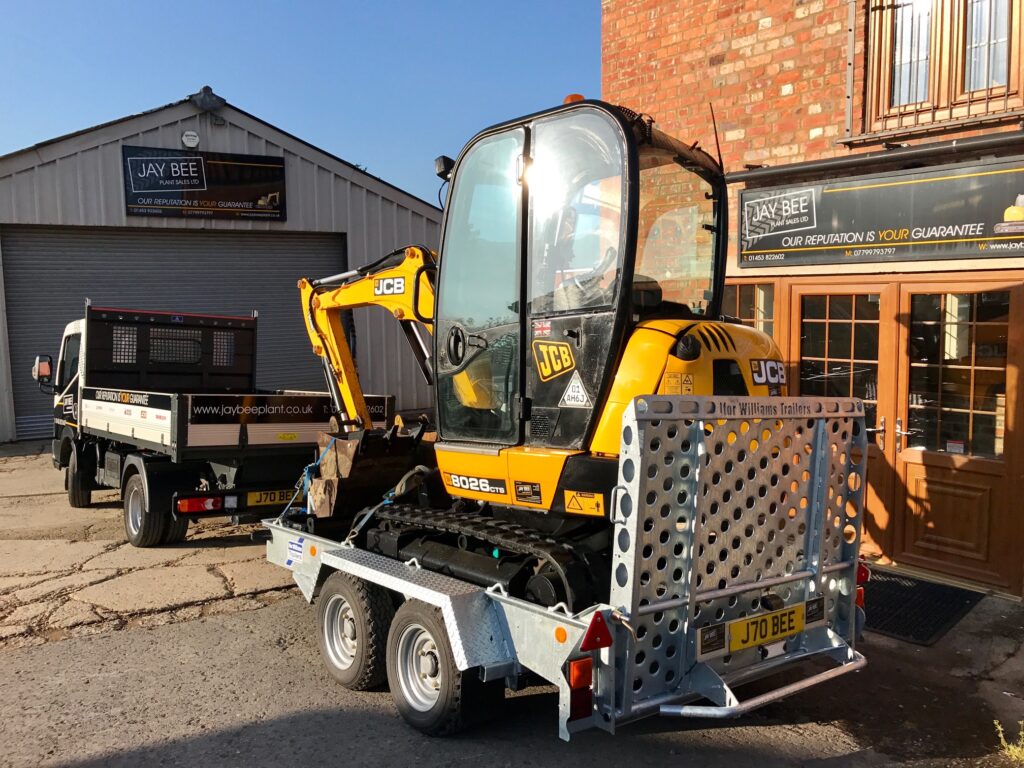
x: 386, y: 85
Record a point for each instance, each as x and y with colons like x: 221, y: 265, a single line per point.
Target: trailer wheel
x: 142, y: 526
x: 75, y: 480
x: 429, y: 690
x: 353, y: 618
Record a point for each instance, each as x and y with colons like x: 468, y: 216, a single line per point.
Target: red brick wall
x: 774, y: 69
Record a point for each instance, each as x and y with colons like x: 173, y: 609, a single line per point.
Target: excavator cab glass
x: 562, y: 230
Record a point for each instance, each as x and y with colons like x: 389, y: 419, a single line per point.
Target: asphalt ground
x: 221, y: 668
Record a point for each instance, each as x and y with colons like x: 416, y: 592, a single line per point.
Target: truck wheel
x: 176, y: 530
x: 143, y: 527
x: 79, y: 494
x: 353, y: 618
x: 430, y: 692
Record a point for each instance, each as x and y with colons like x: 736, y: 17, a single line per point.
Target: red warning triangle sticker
x: 598, y: 635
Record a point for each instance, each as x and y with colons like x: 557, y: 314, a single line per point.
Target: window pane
x: 865, y: 341
x: 956, y: 388
x: 987, y: 33
x: 994, y: 307
x: 813, y: 307
x: 729, y: 301
x: 766, y: 301
x: 840, y: 307
x: 839, y: 340
x: 911, y: 41
x: 747, y: 302
x: 838, y: 382
x: 575, y: 181
x: 924, y: 385
x: 812, y: 340
x: 865, y: 381
x: 812, y: 377
x: 924, y: 428
x: 867, y: 306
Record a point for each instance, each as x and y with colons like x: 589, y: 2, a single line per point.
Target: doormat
x: 914, y: 610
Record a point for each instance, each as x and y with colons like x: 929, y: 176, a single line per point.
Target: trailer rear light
x: 598, y: 635
x: 860, y: 597
x: 581, y: 673
x: 863, y: 574
x: 200, y: 504
x: 581, y: 704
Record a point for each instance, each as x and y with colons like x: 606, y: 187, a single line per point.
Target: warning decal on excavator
x: 553, y: 358
x: 575, y: 395
x: 678, y: 384
x: 584, y: 503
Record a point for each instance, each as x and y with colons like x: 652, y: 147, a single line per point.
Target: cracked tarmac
x: 70, y: 572
x: 90, y: 626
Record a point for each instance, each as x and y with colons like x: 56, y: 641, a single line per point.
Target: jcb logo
x: 767, y: 372
x: 389, y: 286
x: 553, y: 358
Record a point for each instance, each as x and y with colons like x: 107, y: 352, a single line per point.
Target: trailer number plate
x: 766, y: 628
x: 266, y: 498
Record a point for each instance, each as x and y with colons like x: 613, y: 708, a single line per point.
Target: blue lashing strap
x: 307, y: 477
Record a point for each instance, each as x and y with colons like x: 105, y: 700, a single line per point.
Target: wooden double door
x: 937, y: 364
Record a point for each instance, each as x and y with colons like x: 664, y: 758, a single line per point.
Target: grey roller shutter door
x: 49, y: 272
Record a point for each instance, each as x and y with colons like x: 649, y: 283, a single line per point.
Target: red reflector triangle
x: 598, y: 635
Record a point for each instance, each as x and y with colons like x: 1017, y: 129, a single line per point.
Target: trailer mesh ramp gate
x: 729, y: 509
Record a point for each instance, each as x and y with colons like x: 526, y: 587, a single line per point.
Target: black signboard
x: 951, y: 212
x: 213, y: 185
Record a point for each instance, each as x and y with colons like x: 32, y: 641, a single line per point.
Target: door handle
x: 901, y: 433
x: 879, y: 432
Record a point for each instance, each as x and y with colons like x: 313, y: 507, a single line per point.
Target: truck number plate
x: 266, y: 498
x: 766, y: 628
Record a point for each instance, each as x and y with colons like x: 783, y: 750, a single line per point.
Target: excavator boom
x: 400, y: 283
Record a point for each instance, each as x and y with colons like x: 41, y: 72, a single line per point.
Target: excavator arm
x: 402, y: 283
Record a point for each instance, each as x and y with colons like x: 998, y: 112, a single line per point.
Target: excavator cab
x: 563, y: 231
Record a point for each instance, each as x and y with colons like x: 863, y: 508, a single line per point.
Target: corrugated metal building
x: 75, y: 222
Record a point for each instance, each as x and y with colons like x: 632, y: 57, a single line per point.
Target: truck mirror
x: 42, y: 369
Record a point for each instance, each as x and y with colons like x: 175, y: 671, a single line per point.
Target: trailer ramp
x: 737, y: 530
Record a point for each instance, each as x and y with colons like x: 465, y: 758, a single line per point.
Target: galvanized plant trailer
x: 737, y: 529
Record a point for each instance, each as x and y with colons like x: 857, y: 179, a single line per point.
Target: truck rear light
x: 200, y: 504
x: 581, y: 673
x: 598, y: 635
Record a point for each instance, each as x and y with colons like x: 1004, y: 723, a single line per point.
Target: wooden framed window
x: 943, y: 61
x: 752, y: 304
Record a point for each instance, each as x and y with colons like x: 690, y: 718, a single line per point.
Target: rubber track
x: 504, y: 535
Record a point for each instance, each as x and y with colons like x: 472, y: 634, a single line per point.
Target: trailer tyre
x: 353, y: 617
x: 77, y: 483
x: 143, y: 527
x: 430, y: 692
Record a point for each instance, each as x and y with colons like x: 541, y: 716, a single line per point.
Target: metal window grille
x: 175, y: 345
x: 987, y: 44
x: 125, y: 344
x: 910, y: 53
x: 223, y: 348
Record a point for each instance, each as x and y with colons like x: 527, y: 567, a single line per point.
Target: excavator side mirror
x: 443, y: 167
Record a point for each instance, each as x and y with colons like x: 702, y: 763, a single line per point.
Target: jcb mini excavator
x: 616, y: 495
